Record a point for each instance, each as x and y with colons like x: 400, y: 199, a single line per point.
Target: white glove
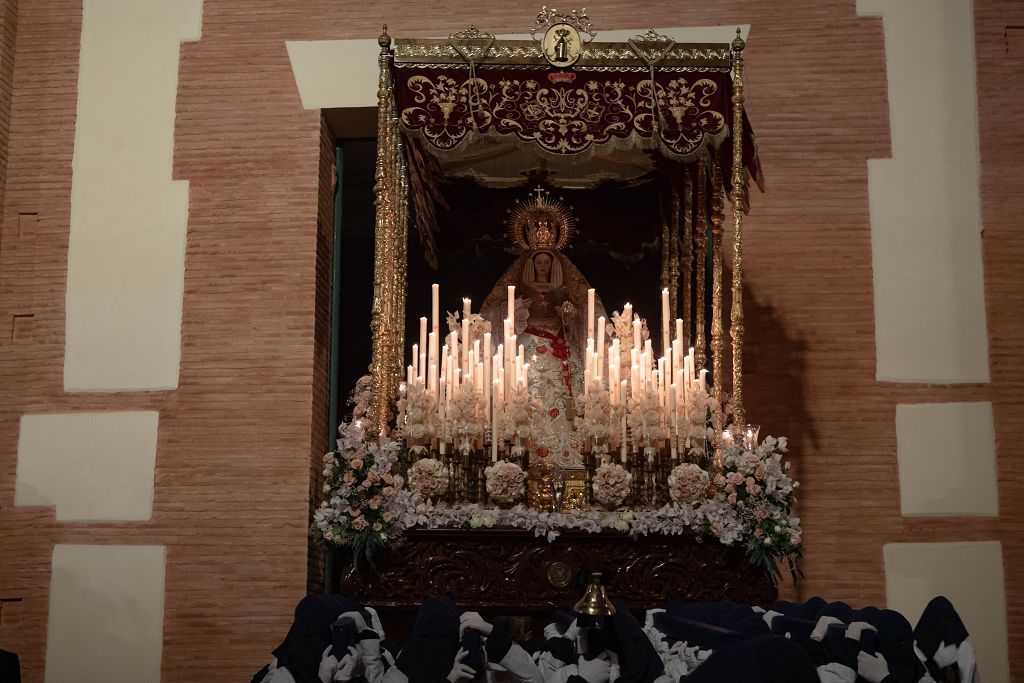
x: 328, y: 665
x: 375, y: 622
x: 347, y: 666
x: 689, y: 657
x: 369, y: 657
x: 834, y: 672
x: 596, y: 670
x: 856, y: 628
x: 822, y: 627
x: 945, y: 655
x: 649, y: 619
x: 872, y: 668
x: 676, y: 669
x: 460, y: 671
x: 769, y: 617
x: 614, y: 671
x: 573, y: 632
x: 759, y: 610
x: 474, y: 621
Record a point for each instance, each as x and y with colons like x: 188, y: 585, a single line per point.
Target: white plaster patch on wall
x: 106, y: 613
x: 343, y: 73
x: 91, y: 466
x: 947, y: 459
x: 925, y: 202
x: 971, y: 576
x: 126, y: 255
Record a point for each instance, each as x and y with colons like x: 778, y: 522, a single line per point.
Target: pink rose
x: 359, y: 523
x: 375, y: 503
x: 366, y: 484
x: 356, y: 464
x: 388, y: 491
x: 399, y: 481
x: 736, y: 478
x: 353, y: 512
x: 388, y: 478
x: 759, y: 472
x: 348, y: 478
x: 750, y: 482
x: 732, y: 499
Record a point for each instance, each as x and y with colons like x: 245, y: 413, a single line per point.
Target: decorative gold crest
x: 561, y: 45
x: 565, y: 34
x: 541, y: 222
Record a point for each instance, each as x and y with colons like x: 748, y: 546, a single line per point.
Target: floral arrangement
x: 611, y: 484
x: 364, y: 496
x: 428, y: 477
x: 506, y: 481
x: 688, y: 483
x: 368, y: 506
x: 755, y: 487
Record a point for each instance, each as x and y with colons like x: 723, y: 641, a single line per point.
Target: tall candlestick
x: 666, y: 331
x: 415, y: 364
x: 423, y: 337
x: 679, y: 330
x: 512, y: 304
x: 435, y: 320
x: 590, y: 313
x: 636, y: 334
x: 495, y: 390
x: 465, y: 336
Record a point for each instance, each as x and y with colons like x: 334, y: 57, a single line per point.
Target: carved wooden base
x: 513, y: 572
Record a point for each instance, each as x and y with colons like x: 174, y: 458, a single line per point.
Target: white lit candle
x: 495, y: 390
x: 590, y: 313
x: 666, y: 331
x: 600, y: 342
x: 423, y: 339
x: 435, y: 320
x: 465, y: 336
x: 679, y: 331
x: 636, y: 334
x: 512, y: 304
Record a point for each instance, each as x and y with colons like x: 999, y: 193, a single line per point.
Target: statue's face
x: 542, y: 266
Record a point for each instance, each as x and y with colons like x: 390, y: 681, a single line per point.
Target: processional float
x: 563, y: 96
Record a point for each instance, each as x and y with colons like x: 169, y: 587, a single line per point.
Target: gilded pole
x: 739, y: 204
x: 666, y: 242
x: 700, y: 239
x: 687, y: 247
x: 674, y: 253
x: 387, y: 192
x: 717, y: 274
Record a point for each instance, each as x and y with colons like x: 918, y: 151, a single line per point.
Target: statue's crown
x: 540, y: 222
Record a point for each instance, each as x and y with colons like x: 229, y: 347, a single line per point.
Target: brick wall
x: 238, y: 437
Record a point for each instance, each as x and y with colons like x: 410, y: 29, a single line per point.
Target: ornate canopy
x: 576, y: 113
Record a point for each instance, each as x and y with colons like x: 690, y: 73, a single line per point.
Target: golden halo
x: 540, y: 222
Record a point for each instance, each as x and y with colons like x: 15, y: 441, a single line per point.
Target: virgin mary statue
x: 551, y: 325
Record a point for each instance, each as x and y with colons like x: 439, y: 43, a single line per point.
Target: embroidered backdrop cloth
x: 681, y: 111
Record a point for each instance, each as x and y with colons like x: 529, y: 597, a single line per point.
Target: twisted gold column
x: 717, y: 331
x: 700, y: 240
x: 389, y: 266
x: 687, y: 248
x: 739, y: 205
x: 674, y: 254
